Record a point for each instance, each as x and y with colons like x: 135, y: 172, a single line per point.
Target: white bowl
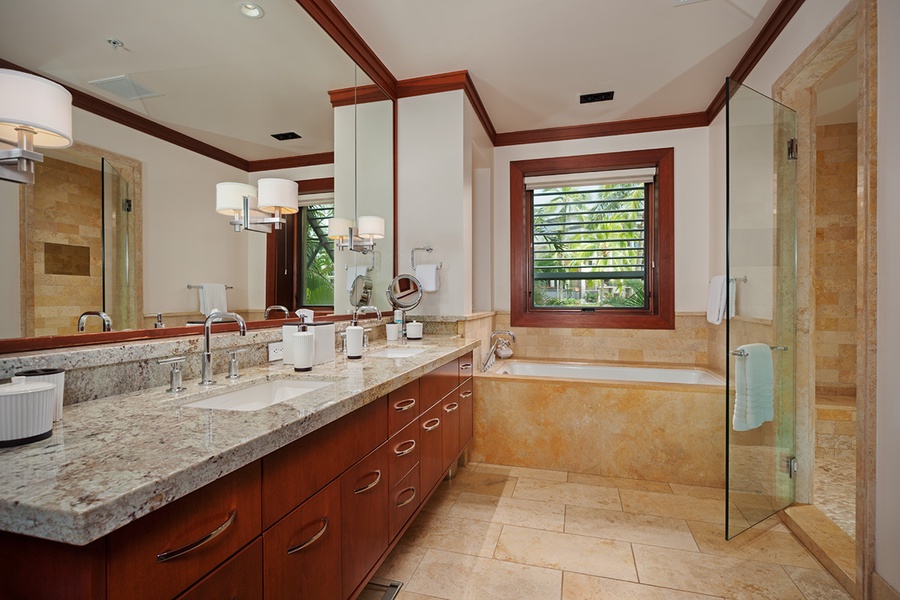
x: 26, y: 411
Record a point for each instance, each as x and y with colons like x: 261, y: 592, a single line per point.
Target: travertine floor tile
x: 544, y: 474
x: 629, y: 527
x: 567, y: 552
x: 489, y: 484
x: 401, y: 563
x: 621, y: 483
x: 736, y: 578
x: 573, y: 494
x: 465, y: 536
x: 461, y: 577
x: 670, y: 505
x: 584, y: 587
x: 817, y: 584
x: 697, y: 491
x: 512, y: 511
x: 442, y: 500
x: 413, y: 596
x: 778, y: 547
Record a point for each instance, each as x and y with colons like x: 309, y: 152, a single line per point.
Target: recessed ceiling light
x: 251, y: 10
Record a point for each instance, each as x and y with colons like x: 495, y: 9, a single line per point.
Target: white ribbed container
x: 54, y: 376
x: 26, y: 411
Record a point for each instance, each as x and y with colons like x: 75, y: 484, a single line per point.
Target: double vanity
x: 274, y: 485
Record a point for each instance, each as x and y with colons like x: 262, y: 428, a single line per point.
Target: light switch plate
x: 276, y: 351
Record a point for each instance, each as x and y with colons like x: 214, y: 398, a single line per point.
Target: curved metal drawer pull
x: 411, y: 498
x: 433, y: 427
x: 405, y: 404
x: 451, y: 407
x: 366, y: 488
x: 170, y: 554
x: 465, y: 366
x: 398, y: 452
x: 311, y: 540
x: 466, y: 394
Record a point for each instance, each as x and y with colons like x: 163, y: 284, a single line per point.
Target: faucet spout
x: 365, y: 309
x: 107, y: 322
x: 274, y: 307
x: 206, y: 363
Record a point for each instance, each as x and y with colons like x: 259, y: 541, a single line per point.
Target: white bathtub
x: 568, y: 370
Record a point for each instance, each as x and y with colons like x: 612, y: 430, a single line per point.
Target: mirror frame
x: 329, y: 18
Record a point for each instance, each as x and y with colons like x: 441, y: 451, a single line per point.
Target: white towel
x: 212, y: 298
x: 353, y: 272
x: 715, y: 299
x: 429, y: 276
x: 754, y: 378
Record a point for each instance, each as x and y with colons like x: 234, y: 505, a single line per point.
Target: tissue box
x: 324, y: 343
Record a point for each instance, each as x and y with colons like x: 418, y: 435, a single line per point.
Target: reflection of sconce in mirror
x: 34, y: 112
x: 254, y: 212
x: 361, y: 239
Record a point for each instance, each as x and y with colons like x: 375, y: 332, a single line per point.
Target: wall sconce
x: 34, y: 112
x: 252, y: 207
x: 361, y: 239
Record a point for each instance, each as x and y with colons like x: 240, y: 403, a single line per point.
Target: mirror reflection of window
x: 316, y: 257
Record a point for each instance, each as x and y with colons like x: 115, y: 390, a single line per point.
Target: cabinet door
x: 163, y: 553
x: 466, y: 366
x: 432, y: 446
x: 303, y: 550
x: 403, y: 453
x: 364, y: 523
x: 450, y: 435
x: 439, y: 382
x: 240, y: 578
x: 466, y: 412
x: 405, y: 499
x: 403, y: 407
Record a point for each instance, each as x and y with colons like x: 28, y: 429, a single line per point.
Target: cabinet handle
x: 366, y: 488
x: 465, y: 366
x: 426, y: 427
x: 408, y: 500
x: 170, y: 554
x: 451, y: 407
x: 311, y: 540
x: 398, y: 452
x: 405, y: 404
x: 466, y: 394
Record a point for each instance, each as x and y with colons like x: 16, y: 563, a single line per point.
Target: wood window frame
x: 660, y: 314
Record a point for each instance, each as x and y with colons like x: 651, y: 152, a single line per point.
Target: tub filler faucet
x: 497, y: 342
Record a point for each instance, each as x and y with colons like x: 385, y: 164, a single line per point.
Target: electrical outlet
x: 276, y: 351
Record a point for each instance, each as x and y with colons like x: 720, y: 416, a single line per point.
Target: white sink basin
x: 396, y: 352
x: 260, y: 396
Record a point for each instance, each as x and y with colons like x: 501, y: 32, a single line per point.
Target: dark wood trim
x: 480, y: 110
x: 290, y: 162
x: 661, y: 314
x: 396, y: 201
x: 330, y: 19
x: 448, y: 82
x: 363, y: 94
x: 316, y: 186
x: 769, y: 33
x: 574, y: 132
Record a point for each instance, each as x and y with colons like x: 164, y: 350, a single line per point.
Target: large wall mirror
x: 228, y: 83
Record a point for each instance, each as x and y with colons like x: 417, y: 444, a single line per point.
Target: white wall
x: 887, y: 507
x: 692, y: 186
x: 10, y: 277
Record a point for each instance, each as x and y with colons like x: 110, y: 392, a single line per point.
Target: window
x: 316, y: 257
x: 592, y: 241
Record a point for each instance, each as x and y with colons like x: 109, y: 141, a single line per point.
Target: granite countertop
x: 112, y: 460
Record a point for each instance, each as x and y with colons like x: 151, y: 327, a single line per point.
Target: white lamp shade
x: 278, y: 193
x: 37, y: 103
x: 230, y: 197
x: 338, y: 227
x: 371, y: 226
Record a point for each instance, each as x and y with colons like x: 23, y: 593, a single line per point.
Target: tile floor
x: 509, y: 533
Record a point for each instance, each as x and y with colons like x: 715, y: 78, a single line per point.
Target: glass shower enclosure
x: 119, y: 248
x: 760, y: 333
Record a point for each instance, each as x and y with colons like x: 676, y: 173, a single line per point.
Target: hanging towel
x: 212, y: 297
x: 353, y: 272
x: 754, y: 378
x: 715, y: 300
x: 429, y: 276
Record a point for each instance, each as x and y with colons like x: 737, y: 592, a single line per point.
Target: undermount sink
x: 396, y: 352
x: 260, y: 396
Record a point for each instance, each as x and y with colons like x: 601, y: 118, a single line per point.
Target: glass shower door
x: 119, y: 249
x: 760, y: 336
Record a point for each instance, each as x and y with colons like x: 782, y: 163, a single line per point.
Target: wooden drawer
x: 303, y: 550
x: 297, y: 471
x: 450, y: 434
x: 404, y: 500
x: 403, y: 453
x: 438, y: 383
x: 466, y: 393
x: 163, y: 553
x: 240, y: 578
x: 466, y: 367
x: 403, y: 407
x: 431, y: 447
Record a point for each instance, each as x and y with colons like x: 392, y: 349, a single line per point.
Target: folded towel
x: 715, y: 300
x: 429, y: 276
x: 212, y: 298
x: 353, y: 272
x: 754, y: 378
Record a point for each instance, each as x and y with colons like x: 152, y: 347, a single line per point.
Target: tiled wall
x: 835, y: 260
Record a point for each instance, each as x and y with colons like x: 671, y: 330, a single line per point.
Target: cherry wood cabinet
x: 403, y: 453
x: 466, y: 399
x: 240, y: 578
x: 403, y: 407
x: 431, y: 455
x: 450, y: 434
x: 404, y: 500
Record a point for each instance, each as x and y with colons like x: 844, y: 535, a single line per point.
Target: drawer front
x: 466, y: 412
x: 430, y: 459
x: 403, y: 407
x: 297, y: 471
x: 303, y: 551
x: 403, y: 453
x: 238, y: 579
x: 466, y: 366
x: 161, y: 554
x: 450, y: 433
x: 405, y: 498
x: 439, y: 382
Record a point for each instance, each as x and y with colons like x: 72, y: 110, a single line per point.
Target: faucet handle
x: 175, y: 375
x: 233, y: 363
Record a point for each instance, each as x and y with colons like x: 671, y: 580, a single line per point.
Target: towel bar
x: 743, y: 353
x: 197, y: 287
x: 372, y: 268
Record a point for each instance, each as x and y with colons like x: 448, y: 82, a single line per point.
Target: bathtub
x: 621, y: 421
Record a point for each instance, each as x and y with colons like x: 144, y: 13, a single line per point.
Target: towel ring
x: 412, y: 256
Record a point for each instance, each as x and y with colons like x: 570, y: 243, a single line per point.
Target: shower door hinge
x: 793, y: 149
x: 792, y: 466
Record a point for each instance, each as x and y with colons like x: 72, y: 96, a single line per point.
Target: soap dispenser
x: 355, y: 335
x: 304, y: 348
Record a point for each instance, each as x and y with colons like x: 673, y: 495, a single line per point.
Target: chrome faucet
x: 496, y: 342
x: 365, y: 309
x: 107, y: 322
x: 206, y: 363
x: 284, y: 309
